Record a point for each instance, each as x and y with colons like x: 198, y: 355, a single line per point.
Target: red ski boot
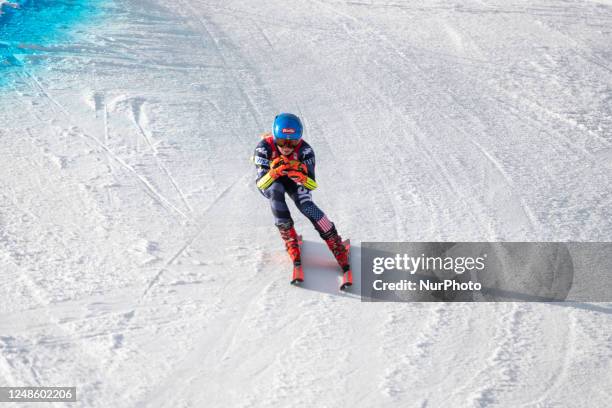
x: 292, y: 243
x: 340, y: 250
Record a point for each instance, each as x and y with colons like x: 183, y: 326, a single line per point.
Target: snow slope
x: 141, y: 265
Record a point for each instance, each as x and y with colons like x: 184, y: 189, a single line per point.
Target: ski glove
x: 295, y: 170
x: 298, y: 166
x: 278, y: 168
x: 297, y: 176
x: 302, y: 179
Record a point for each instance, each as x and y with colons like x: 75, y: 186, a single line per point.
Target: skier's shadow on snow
x: 322, y: 273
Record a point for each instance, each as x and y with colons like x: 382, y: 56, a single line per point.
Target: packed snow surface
x: 140, y: 264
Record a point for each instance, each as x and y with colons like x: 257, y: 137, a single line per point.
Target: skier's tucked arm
x: 300, y: 171
x: 307, y: 158
x: 268, y: 170
x: 277, y: 168
x: 262, y: 164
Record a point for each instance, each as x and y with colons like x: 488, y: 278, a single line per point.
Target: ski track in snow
x: 142, y: 265
x: 159, y: 197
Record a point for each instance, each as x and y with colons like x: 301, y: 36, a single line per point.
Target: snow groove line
x: 157, y: 196
x: 7, y: 370
x: 39, y: 294
x: 389, y: 197
x: 446, y: 180
x: 533, y: 222
x: 453, y: 187
x: 451, y: 398
x: 109, y: 194
x: 153, y: 281
x: 501, y: 375
x: 153, y: 193
x: 45, y: 93
x: 533, y: 106
x: 559, y: 376
x: 246, y: 309
x: 292, y: 369
x: 211, y: 347
x: 443, y: 181
x: 393, y: 381
x: 531, y: 217
x: 255, y: 113
x: 160, y: 165
x: 263, y: 34
x: 528, y: 212
x: 593, y: 58
x: 221, y: 341
x: 432, y: 157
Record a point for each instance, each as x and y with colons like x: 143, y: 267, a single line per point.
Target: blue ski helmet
x: 287, y: 126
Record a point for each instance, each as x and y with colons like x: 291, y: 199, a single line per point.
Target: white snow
x: 141, y: 265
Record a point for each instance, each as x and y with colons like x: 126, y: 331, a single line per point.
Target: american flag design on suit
x: 325, y: 224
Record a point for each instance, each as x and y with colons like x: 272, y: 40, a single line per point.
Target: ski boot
x: 292, y: 244
x: 340, y: 250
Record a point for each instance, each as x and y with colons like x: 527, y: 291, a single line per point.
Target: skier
x: 286, y: 164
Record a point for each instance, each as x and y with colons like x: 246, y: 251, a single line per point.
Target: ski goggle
x: 287, y: 142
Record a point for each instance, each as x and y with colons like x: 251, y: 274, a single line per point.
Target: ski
x: 347, y: 275
x: 298, y: 272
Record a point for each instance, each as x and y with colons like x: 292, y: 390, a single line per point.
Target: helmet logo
x: 288, y: 130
